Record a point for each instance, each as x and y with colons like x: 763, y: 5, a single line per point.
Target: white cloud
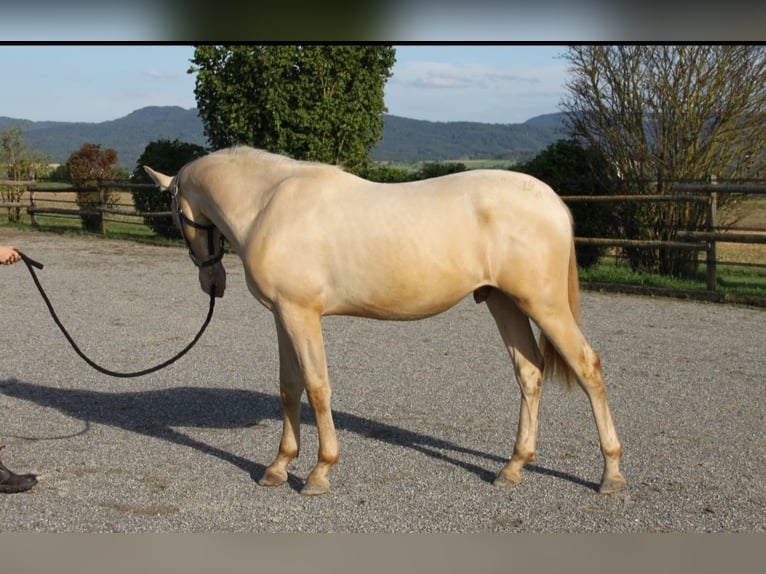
x: 438, y: 75
x: 497, y: 91
x: 164, y: 75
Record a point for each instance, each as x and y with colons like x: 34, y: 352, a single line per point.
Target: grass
x: 744, y: 281
x: 118, y: 227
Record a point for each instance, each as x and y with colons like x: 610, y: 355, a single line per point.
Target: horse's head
x: 203, y: 239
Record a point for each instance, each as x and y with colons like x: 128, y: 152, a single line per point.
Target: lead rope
x: 31, y: 264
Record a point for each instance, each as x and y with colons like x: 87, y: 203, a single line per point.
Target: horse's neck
x: 235, y: 202
x: 234, y: 206
x: 229, y: 226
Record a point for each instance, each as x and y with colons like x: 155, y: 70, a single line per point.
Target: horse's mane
x: 254, y: 154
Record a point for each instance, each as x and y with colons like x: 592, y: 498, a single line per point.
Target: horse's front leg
x: 302, y: 331
x: 290, y: 391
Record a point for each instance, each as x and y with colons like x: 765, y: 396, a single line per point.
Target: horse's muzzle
x: 212, y: 279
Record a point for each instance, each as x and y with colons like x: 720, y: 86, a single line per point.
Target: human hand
x: 8, y: 255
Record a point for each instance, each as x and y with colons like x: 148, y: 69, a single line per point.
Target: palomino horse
x: 315, y: 240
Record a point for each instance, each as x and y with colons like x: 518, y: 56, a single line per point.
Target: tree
x: 660, y: 114
x: 18, y: 164
x: 318, y: 102
x: 571, y: 169
x: 168, y: 157
x: 89, y: 167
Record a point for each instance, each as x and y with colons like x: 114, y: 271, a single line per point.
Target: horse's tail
x: 555, y: 365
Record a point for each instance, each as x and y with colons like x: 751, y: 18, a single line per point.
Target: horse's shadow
x: 155, y: 413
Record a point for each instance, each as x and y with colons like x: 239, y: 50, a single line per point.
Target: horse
x: 315, y: 240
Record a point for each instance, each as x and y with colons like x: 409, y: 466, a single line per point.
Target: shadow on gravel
x: 154, y: 413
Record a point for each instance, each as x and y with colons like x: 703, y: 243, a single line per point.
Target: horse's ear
x: 163, y: 181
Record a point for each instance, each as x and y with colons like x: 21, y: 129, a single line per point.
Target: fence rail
x: 102, y: 211
x: 706, y: 240
x: 703, y: 240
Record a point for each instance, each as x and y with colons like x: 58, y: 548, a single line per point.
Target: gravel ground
x: 426, y: 412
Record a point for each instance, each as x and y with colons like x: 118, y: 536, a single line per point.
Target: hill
x: 417, y: 140
x: 129, y: 135
x: 404, y: 140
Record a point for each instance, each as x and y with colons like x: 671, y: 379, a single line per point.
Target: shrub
x: 437, y: 169
x: 571, y: 169
x: 386, y: 174
x: 167, y: 157
x: 89, y: 167
x: 389, y: 174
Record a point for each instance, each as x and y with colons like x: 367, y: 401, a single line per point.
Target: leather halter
x: 184, y: 220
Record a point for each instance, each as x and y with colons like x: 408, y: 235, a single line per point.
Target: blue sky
x: 496, y: 84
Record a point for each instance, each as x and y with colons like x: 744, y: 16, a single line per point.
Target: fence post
x: 712, y: 256
x: 31, y: 211
x: 101, y: 207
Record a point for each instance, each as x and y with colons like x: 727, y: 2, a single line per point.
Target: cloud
x: 438, y: 75
x: 163, y: 75
x: 439, y: 80
x: 491, y: 85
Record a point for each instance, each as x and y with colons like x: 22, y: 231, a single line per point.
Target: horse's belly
x: 406, y: 277
x: 398, y: 301
x: 396, y: 312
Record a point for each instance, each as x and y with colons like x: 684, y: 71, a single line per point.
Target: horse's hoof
x: 314, y: 489
x: 613, y: 485
x: 272, y: 478
x: 505, y: 481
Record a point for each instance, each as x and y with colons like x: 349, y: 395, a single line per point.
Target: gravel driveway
x: 426, y: 412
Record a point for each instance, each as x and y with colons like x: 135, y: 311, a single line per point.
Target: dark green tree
x: 571, y: 169
x: 168, y: 157
x: 316, y: 102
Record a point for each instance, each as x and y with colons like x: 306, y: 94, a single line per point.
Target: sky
x: 96, y: 83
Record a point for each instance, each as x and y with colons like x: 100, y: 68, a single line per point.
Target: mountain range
x: 404, y: 140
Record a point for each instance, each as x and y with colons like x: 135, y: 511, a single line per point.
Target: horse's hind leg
x: 519, y: 339
x: 562, y: 331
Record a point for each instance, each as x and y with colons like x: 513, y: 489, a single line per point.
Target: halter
x: 184, y: 221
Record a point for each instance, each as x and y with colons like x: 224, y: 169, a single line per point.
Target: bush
x: 89, y: 167
x: 386, y: 174
x: 571, y: 169
x: 167, y: 157
x: 437, y: 169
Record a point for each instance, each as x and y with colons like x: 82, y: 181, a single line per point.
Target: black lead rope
x: 31, y: 264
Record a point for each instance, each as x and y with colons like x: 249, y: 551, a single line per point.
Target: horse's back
x: 403, y: 250
x: 497, y: 201
x: 311, y: 185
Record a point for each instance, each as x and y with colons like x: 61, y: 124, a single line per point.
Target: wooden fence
x: 35, y: 204
x: 698, y: 240
x: 706, y: 239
